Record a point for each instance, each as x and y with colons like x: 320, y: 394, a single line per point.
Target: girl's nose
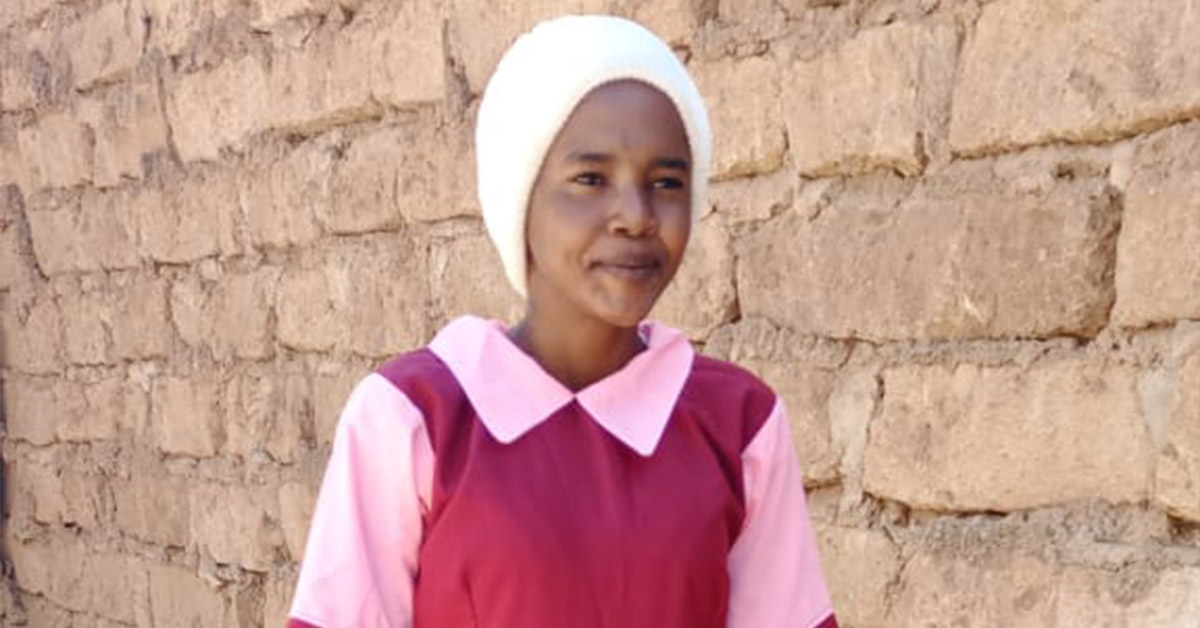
x: 633, y: 212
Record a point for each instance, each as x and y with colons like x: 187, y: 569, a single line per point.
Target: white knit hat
x: 537, y: 85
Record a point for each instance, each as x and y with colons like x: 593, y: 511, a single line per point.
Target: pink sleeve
x: 775, y: 571
x: 361, y: 556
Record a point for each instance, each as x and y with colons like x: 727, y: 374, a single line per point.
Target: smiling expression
x: 610, y: 212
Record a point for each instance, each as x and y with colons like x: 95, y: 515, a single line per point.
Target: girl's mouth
x: 633, y: 268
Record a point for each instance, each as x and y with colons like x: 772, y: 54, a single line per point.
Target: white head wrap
x: 537, y: 85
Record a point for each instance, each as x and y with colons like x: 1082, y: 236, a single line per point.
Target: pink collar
x: 512, y: 394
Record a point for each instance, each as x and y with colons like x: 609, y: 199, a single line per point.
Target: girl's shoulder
x: 727, y: 377
x: 415, y: 366
x: 728, y: 397
x: 424, y: 378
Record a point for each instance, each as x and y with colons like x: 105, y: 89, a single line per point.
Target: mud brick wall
x: 962, y: 237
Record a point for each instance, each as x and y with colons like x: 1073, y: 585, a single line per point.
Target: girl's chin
x: 626, y: 312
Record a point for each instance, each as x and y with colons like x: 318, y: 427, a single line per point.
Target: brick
x: 125, y: 401
x: 97, y: 233
x: 20, y: 495
x: 307, y: 96
x: 802, y: 372
x: 213, y: 109
x: 17, y: 89
x: 365, y: 184
x: 1158, y: 268
x: 235, y: 524
x: 850, y: 406
x: 192, y: 308
x: 176, y: 22
x: 267, y: 413
x: 384, y: 318
x: 33, y: 343
x: 743, y: 98
x: 231, y: 319
x: 271, y: 12
x: 106, y: 405
x: 1082, y: 70
x: 37, y: 490
x: 282, y: 201
x: 390, y: 57
x: 16, y: 11
x: 34, y: 407
x: 1177, y: 479
x: 38, y: 569
x: 105, y: 43
x: 233, y: 238
x: 753, y: 199
x: 424, y: 192
x: 27, y: 74
x: 319, y: 308
x: 141, y: 328
x: 335, y: 78
x: 291, y: 432
x: 40, y: 611
x: 73, y: 577
x: 181, y: 599
x: 1007, y: 438
x: 45, y: 67
x: 745, y: 23
x: 673, y: 21
x: 153, y: 506
x: 859, y: 107
x: 56, y: 151
x: 859, y: 567
x: 296, y: 503
x: 277, y: 597
x: 805, y: 393
x: 14, y: 264
x: 941, y: 589
x: 88, y: 498
x: 85, y: 332
x: 127, y: 123
x: 484, y: 29
x: 112, y: 586
x: 330, y: 392
x: 243, y: 315
x: 399, y: 70
x: 471, y: 260
x: 701, y: 296
x: 309, y: 307
x: 179, y: 223
x: 398, y: 174
x: 14, y: 166
x: 976, y: 258
x: 184, y: 417
x: 55, y: 235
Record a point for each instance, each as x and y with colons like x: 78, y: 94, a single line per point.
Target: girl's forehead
x: 624, y: 114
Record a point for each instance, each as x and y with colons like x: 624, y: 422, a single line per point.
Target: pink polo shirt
x: 467, y: 487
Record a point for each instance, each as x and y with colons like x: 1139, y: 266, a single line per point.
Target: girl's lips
x: 635, y: 269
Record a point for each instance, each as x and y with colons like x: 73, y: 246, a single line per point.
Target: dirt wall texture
x: 961, y: 237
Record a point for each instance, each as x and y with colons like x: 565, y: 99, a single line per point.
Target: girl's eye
x: 588, y: 178
x: 668, y: 183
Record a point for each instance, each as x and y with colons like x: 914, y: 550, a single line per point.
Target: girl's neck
x: 579, y: 353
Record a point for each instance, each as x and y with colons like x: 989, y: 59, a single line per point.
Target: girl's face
x: 610, y: 212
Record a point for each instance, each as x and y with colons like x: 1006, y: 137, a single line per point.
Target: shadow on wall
x: 10, y: 598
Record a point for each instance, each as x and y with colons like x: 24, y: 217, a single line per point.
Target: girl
x: 582, y: 468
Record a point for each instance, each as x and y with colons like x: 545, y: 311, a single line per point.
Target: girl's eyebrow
x: 591, y: 158
x: 671, y: 163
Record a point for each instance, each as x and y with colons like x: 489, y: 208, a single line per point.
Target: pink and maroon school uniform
x: 468, y: 488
